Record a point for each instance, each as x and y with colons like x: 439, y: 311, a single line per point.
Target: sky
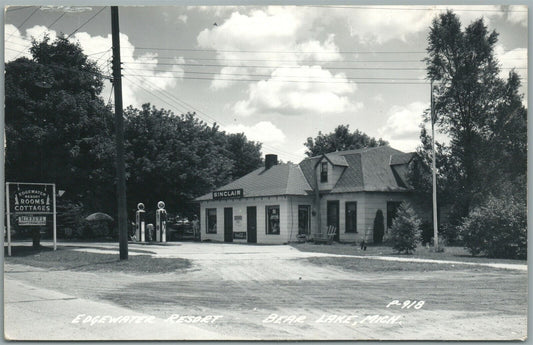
x: 280, y: 74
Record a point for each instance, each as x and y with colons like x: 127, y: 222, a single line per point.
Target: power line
x: 24, y: 22
x: 49, y: 26
x: 277, y: 51
x: 455, y: 9
x: 192, y: 59
x: 88, y: 20
x: 280, y: 60
x: 198, y: 112
x: 288, y: 67
x: 275, y: 80
x: 99, y: 74
x: 180, y: 107
x: 267, y: 66
x: 271, y: 76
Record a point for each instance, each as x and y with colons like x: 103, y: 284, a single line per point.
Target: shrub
x: 498, y: 229
x: 405, y: 233
x: 379, y: 227
x: 70, y: 219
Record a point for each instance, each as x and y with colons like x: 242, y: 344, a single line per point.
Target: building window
x: 392, y: 211
x: 303, y: 219
x: 272, y: 218
x: 211, y: 220
x: 324, y: 172
x: 351, y: 216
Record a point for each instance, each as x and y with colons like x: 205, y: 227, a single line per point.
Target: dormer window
x: 324, y: 172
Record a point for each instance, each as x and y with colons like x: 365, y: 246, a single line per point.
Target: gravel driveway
x: 275, y: 293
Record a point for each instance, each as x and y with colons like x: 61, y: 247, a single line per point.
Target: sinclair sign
x: 228, y: 194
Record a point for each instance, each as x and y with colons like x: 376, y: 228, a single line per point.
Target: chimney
x: 270, y: 161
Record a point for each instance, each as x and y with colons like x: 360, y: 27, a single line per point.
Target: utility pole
x: 119, y: 138
x: 434, y: 172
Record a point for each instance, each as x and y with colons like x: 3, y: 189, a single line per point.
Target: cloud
x: 517, y: 15
x: 273, y: 45
x: 266, y: 37
x: 264, y: 132
x: 376, y: 25
x: 304, y: 90
x: 17, y: 44
x: 402, y: 126
x: 515, y: 58
x: 381, y: 24
x: 183, y: 18
x: 142, y: 68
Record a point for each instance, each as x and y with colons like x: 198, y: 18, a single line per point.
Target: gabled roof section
x: 352, y: 178
x: 281, y: 179
x: 368, y: 170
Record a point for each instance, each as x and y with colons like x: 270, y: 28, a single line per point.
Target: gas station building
x: 281, y: 203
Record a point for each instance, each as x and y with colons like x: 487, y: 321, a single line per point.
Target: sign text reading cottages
x: 31, y: 200
x: 228, y: 194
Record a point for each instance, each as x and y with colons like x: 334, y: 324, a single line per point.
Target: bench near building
x: 281, y: 203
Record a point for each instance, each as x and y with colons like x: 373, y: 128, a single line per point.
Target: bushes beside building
x: 498, y: 228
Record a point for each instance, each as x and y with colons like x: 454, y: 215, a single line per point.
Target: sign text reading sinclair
x: 228, y: 194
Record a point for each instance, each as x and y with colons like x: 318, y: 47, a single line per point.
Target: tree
x: 405, y: 233
x: 481, y: 113
x: 340, y: 140
x: 176, y: 158
x: 245, y: 154
x: 58, y: 128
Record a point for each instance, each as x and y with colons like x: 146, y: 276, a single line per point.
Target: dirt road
x: 274, y: 292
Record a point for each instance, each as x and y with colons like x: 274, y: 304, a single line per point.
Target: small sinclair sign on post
x: 31, y: 204
x: 228, y: 194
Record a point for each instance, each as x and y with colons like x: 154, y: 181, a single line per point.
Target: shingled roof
x: 368, y: 169
x: 378, y: 169
x: 282, y: 179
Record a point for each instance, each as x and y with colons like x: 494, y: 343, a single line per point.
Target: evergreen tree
x: 405, y: 233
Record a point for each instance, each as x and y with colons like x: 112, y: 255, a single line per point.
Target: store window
x: 211, y: 220
x: 272, y: 213
x: 351, y: 216
x: 392, y: 211
x: 324, y: 172
x: 303, y: 219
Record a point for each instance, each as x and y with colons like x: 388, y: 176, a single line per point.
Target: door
x: 228, y: 224
x: 303, y: 219
x: 333, y: 217
x: 251, y: 224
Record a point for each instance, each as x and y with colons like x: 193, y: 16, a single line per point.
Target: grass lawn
x: 67, y: 259
x: 450, y: 253
x: 380, y: 266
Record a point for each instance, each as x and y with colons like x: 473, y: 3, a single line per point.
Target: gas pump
x: 161, y: 222
x: 139, y: 223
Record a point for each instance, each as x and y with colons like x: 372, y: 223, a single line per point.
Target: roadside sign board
x: 31, y: 220
x: 31, y: 204
x: 31, y: 199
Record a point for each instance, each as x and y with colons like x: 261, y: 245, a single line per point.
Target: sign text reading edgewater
x: 228, y: 194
